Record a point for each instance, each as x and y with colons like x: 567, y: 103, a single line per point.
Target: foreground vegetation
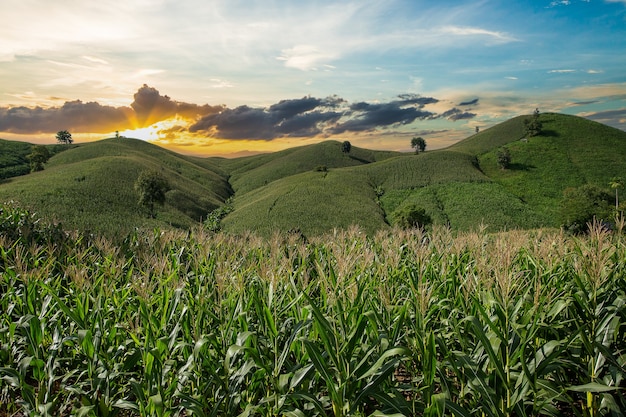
x: 399, y: 323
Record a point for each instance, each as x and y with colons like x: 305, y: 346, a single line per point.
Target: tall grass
x: 400, y: 323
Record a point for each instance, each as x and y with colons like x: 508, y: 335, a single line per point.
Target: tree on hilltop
x: 419, y: 144
x: 532, y: 126
x: 63, y: 136
x: 346, y: 147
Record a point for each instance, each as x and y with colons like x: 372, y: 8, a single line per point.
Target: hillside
x: 461, y: 186
x: 91, y: 186
x: 14, y: 157
x: 249, y: 173
x: 317, y: 188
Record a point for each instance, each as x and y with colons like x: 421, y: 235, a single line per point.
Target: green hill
x: 461, y: 186
x: 249, y: 173
x: 316, y: 188
x: 91, y: 186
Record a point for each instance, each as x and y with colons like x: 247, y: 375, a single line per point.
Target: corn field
x: 403, y: 323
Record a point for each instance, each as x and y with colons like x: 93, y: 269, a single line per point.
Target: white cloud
x: 499, y: 37
x: 561, y: 71
x: 305, y: 57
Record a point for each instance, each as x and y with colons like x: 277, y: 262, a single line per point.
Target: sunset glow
x: 213, y: 77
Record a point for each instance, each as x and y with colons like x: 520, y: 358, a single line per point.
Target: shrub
x: 411, y: 216
x: 581, y: 205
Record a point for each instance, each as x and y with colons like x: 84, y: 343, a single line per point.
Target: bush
x: 411, y: 216
x: 582, y: 205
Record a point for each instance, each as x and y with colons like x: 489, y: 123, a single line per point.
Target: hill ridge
x: 315, y: 188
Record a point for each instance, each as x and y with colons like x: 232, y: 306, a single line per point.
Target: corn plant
x: 407, y: 323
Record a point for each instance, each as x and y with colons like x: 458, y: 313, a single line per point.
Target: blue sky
x: 215, y: 77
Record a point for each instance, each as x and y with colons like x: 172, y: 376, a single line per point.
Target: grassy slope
x: 13, y: 160
x: 461, y: 186
x: 14, y: 157
x: 570, y: 152
x: 92, y: 187
x: 313, y: 202
x: 249, y: 173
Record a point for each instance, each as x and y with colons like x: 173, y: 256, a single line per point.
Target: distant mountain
x: 317, y: 188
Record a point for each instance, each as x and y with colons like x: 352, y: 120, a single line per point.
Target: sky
x: 237, y: 77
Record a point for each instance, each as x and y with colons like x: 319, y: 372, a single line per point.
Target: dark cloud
x: 148, y: 107
x: 407, y: 99
x: 429, y: 132
x: 368, y: 116
x: 455, y: 114
x: 288, y: 108
x: 73, y: 116
x: 303, y: 117
x: 613, y: 118
x: 287, y: 118
x: 584, y: 103
x: 309, y: 124
x: 469, y: 103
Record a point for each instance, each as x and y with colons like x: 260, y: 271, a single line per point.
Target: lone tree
x: 151, y: 187
x: 419, y: 144
x: 504, y: 158
x: 65, y: 137
x: 39, y: 155
x: 532, y: 126
x: 346, y: 147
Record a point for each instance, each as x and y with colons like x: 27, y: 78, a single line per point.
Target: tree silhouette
x: 419, y: 144
x: 63, y: 136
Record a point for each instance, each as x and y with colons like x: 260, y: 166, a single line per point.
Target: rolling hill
x: 316, y: 188
x: 91, y: 187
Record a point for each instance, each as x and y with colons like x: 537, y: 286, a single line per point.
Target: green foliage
x: 616, y: 183
x: 504, y: 158
x: 151, y: 186
x: 38, y: 156
x: 65, y: 137
x: 26, y: 228
x: 410, y: 216
x: 401, y: 323
x: 419, y: 144
x: 213, y: 221
x: 346, y: 146
x: 533, y: 125
x: 581, y: 205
